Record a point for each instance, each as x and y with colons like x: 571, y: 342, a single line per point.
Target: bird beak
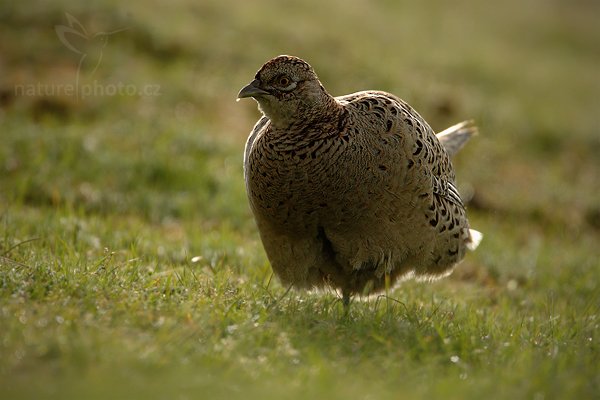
x: 252, y: 90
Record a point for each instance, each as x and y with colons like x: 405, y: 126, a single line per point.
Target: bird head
x: 286, y: 89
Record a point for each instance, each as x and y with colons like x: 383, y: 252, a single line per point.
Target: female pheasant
x: 353, y: 191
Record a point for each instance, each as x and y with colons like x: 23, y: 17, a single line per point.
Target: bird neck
x: 321, y: 109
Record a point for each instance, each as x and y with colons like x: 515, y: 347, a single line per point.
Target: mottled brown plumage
x: 349, y: 190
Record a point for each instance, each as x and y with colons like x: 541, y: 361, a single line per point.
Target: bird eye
x: 284, y: 81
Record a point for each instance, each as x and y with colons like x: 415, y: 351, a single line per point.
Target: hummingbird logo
x: 89, y: 46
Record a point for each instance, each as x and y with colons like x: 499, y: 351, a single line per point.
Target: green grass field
x: 130, y: 266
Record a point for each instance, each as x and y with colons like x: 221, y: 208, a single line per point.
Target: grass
x: 130, y: 266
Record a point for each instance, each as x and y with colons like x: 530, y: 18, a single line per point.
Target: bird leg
x: 346, y: 300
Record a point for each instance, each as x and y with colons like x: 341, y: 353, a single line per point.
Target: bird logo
x: 89, y: 46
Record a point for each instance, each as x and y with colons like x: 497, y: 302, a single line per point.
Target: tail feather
x: 454, y: 138
x: 474, y: 239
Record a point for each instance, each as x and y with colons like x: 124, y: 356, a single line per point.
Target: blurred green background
x: 120, y: 161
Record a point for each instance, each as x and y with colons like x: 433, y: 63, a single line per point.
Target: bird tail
x: 474, y: 239
x: 454, y: 138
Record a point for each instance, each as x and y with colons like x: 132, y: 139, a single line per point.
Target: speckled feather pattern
x: 348, y: 190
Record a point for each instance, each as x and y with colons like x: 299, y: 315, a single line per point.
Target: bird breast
x: 300, y: 182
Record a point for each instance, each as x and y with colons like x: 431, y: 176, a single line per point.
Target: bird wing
x: 447, y: 189
x: 422, y: 146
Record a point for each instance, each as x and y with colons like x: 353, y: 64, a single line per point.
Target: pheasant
x: 353, y: 192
